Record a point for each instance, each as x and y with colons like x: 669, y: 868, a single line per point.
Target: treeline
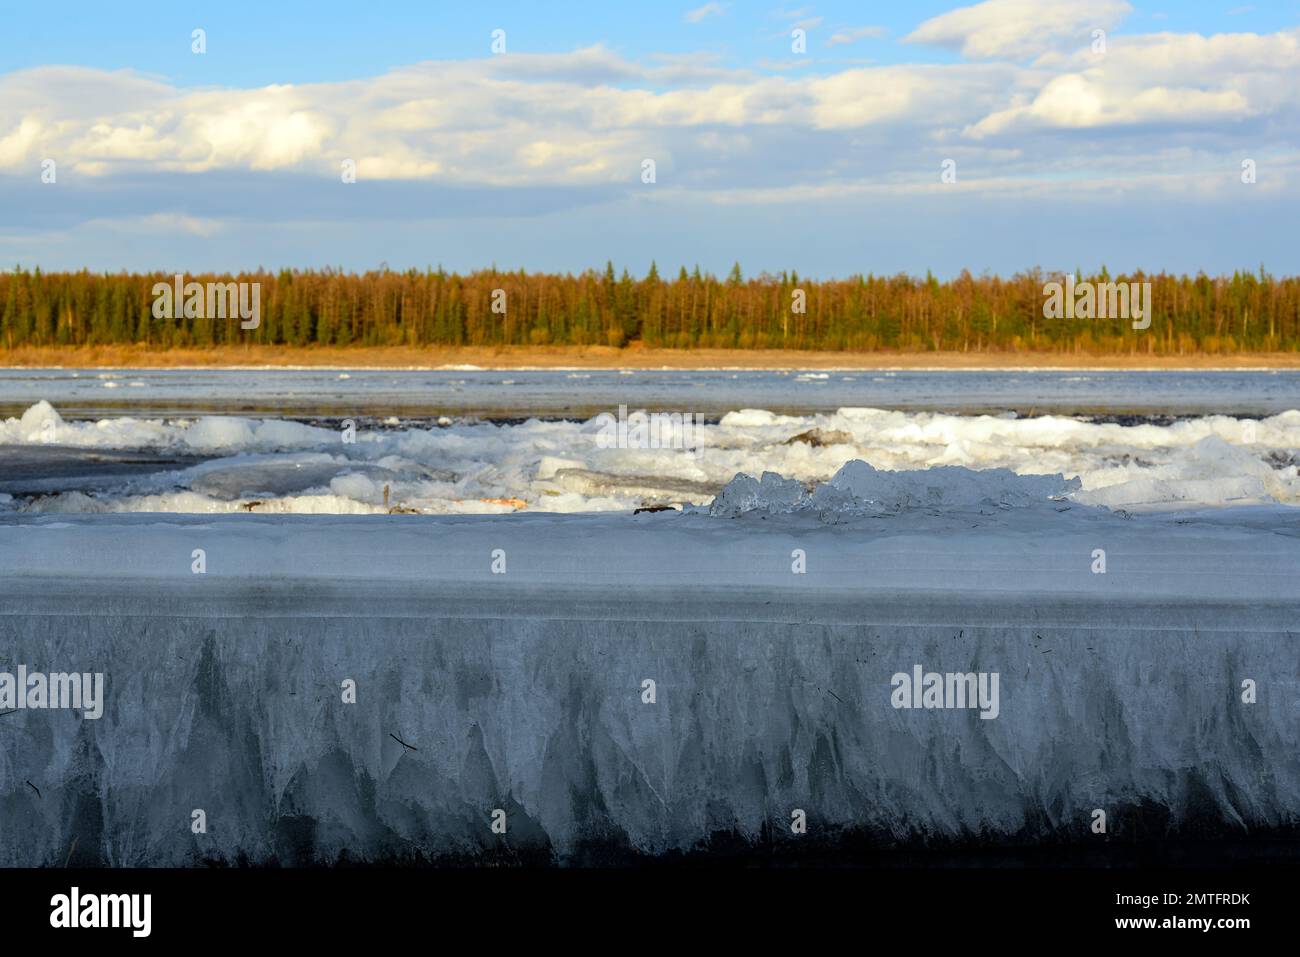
x: 1200, y: 314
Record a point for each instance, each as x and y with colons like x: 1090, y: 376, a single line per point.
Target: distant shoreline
x: 605, y: 357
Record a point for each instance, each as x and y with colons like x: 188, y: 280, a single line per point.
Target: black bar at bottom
x: 974, y: 905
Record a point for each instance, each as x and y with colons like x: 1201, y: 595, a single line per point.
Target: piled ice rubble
x: 858, y: 489
x: 276, y: 466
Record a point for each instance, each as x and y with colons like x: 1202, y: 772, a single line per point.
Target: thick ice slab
x: 523, y: 691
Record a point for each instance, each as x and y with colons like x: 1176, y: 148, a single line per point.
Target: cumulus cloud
x: 1144, y: 83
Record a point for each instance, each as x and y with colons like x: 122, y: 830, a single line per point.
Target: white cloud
x: 1019, y: 29
x: 1213, y: 83
x: 586, y: 119
x: 853, y: 34
x: 174, y: 223
x: 701, y: 13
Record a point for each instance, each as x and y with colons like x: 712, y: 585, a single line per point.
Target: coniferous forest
x: 1247, y: 312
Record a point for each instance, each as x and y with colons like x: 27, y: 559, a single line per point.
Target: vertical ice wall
x: 466, y: 706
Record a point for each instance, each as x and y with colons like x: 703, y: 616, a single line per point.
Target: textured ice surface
x: 271, y: 465
x: 772, y: 493
x: 858, y: 489
x: 523, y: 691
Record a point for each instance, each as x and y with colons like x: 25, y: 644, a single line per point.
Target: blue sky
x: 827, y: 161
x: 289, y: 41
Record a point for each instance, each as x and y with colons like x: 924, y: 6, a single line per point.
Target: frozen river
x: 360, y: 624
x: 457, y: 441
x: 515, y: 394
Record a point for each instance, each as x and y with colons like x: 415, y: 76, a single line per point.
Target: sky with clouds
x: 1082, y: 133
